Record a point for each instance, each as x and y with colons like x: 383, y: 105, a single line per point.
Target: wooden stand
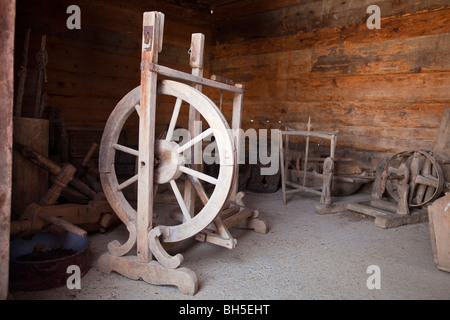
x: 390, y: 213
x: 143, y: 233
x: 325, y: 193
x: 413, y: 179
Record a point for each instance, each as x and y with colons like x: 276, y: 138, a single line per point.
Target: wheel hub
x: 167, y: 161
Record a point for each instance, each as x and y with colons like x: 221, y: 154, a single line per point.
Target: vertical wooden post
x: 151, y: 45
x: 328, y: 169
x: 282, y: 169
x: 305, y: 169
x: 42, y: 77
x: 22, y: 76
x: 403, y: 190
x: 7, y: 16
x: 236, y: 124
x: 196, y: 63
x: 333, y: 142
x: 379, y: 185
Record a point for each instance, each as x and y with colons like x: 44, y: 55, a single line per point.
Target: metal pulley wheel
x: 170, y: 160
x: 426, y: 179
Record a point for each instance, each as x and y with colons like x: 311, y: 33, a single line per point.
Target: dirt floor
x: 303, y: 256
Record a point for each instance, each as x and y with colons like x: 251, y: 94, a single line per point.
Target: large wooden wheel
x: 171, y: 161
x: 426, y: 179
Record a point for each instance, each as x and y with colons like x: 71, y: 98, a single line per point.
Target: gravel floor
x: 303, y: 256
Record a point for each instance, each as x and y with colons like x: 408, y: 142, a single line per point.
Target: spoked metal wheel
x: 426, y: 180
x: 170, y: 160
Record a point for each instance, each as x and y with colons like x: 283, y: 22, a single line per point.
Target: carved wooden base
x: 386, y: 215
x: 237, y: 216
x: 338, y: 206
x: 152, y: 272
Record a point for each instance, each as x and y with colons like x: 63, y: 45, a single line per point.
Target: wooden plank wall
x: 384, y: 90
x: 91, y: 69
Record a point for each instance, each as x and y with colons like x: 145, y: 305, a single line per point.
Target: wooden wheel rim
x: 435, y: 170
x: 221, y: 132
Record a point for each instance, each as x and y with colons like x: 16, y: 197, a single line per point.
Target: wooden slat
x: 178, y: 75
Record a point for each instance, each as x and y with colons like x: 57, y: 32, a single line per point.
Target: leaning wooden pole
x: 22, y: 76
x: 42, y: 77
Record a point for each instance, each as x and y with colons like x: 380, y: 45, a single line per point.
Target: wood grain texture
x: 7, y: 15
x: 91, y: 69
x: 383, y: 90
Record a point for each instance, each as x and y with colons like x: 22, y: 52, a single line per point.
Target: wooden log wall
x: 89, y: 70
x: 384, y: 90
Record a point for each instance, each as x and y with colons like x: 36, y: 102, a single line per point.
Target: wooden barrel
x: 29, y: 182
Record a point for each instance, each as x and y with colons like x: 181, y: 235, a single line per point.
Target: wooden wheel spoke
x: 174, y: 119
x: 126, y: 149
x: 138, y: 109
x: 198, y: 175
x: 422, y: 188
x: 197, y: 139
x: 428, y: 180
x: 199, y: 189
x: 127, y: 183
x: 416, y: 164
x: 180, y: 200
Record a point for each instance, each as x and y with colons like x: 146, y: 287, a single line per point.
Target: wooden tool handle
x: 64, y: 176
x: 63, y: 224
x: 45, y: 163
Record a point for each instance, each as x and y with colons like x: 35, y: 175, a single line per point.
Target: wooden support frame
x: 388, y: 212
x: 142, y: 265
x: 406, y: 205
x: 325, y: 193
x: 143, y: 233
x: 247, y: 217
x: 326, y: 205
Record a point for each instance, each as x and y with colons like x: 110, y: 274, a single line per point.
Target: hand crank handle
x: 385, y: 177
